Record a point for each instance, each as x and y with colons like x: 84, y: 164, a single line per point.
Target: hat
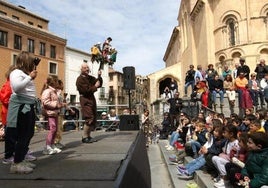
x: 242, y: 59
x: 103, y: 113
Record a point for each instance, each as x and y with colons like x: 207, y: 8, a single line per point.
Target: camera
x: 36, y: 61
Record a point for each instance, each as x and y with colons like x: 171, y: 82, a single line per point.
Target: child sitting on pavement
x: 230, y: 133
x: 213, y: 145
x: 255, y: 172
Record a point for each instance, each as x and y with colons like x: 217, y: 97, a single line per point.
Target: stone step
x: 202, y: 179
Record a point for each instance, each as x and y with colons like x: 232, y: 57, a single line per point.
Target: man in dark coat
x: 243, y: 68
x: 174, y: 110
x: 86, y: 86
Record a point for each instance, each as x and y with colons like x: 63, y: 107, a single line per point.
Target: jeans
x: 255, y: 94
x: 173, y: 138
x: 190, y: 83
x: 195, y: 164
x: 195, y: 146
x: 214, y: 96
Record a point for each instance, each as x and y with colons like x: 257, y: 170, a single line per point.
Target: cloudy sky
x: 140, y: 29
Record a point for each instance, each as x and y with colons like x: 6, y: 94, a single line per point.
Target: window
x: 53, y: 51
x: 231, y: 31
x: 14, y: 59
x: 3, y: 13
x: 52, y: 68
x: 3, y: 38
x: 111, y: 77
x: 42, y: 50
x: 40, y: 26
x: 102, y: 92
x: 30, y: 23
x: 17, y: 42
x: 31, y: 45
x: 15, y: 17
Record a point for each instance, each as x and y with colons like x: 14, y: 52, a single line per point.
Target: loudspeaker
x: 129, y: 123
x: 129, y: 77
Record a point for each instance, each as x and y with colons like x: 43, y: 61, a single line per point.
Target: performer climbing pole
x: 105, y: 54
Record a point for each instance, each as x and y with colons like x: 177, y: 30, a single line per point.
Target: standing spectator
x: 226, y: 71
x: 164, y: 132
x: 235, y: 70
x: 21, y: 114
x: 147, y: 129
x: 255, y: 90
x: 229, y: 88
x: 173, y: 87
x: 51, y: 110
x: 216, y: 86
x: 199, y: 73
x: 5, y: 94
x: 210, y: 74
x: 62, y: 99
x: 87, y: 85
x: 189, y: 80
x: 264, y: 87
x: 167, y: 94
x: 174, y: 110
x: 243, y: 68
x: 261, y: 69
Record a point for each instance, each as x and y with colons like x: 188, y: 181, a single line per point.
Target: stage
x: 118, y: 159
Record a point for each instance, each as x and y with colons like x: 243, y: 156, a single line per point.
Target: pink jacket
x: 50, y: 102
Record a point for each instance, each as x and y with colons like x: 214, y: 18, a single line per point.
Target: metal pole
x: 129, y: 102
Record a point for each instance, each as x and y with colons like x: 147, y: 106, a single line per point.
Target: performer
x: 87, y: 85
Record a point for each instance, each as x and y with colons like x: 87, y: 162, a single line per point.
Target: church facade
x: 213, y: 32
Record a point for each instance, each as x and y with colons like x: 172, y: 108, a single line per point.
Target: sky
x: 140, y: 29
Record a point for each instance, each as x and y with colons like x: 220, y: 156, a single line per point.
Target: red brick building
x: 21, y: 30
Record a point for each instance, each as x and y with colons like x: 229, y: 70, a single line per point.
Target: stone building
x: 214, y: 32
x: 117, y: 96
x: 21, y: 30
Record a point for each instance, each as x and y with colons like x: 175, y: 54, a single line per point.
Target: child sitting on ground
x: 230, y: 133
x: 255, y: 172
x: 213, y: 145
x: 198, y: 138
x: 238, y: 161
x: 255, y: 126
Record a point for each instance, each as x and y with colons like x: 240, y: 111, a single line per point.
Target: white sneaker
x: 29, y: 164
x: 171, y: 148
x: 57, y: 150
x: 10, y: 160
x: 166, y: 146
x: 49, y: 150
x: 29, y: 157
x: 220, y: 183
x: 20, y: 168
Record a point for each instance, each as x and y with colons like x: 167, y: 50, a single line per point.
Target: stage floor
x: 78, y: 165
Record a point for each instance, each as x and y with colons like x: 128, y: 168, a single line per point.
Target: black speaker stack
x: 129, y: 122
x: 129, y: 78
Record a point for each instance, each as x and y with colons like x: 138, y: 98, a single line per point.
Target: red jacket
x: 5, y: 94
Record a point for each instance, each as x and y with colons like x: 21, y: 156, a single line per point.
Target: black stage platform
x: 118, y: 159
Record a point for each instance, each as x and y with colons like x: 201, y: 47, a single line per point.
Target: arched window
x: 231, y: 25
